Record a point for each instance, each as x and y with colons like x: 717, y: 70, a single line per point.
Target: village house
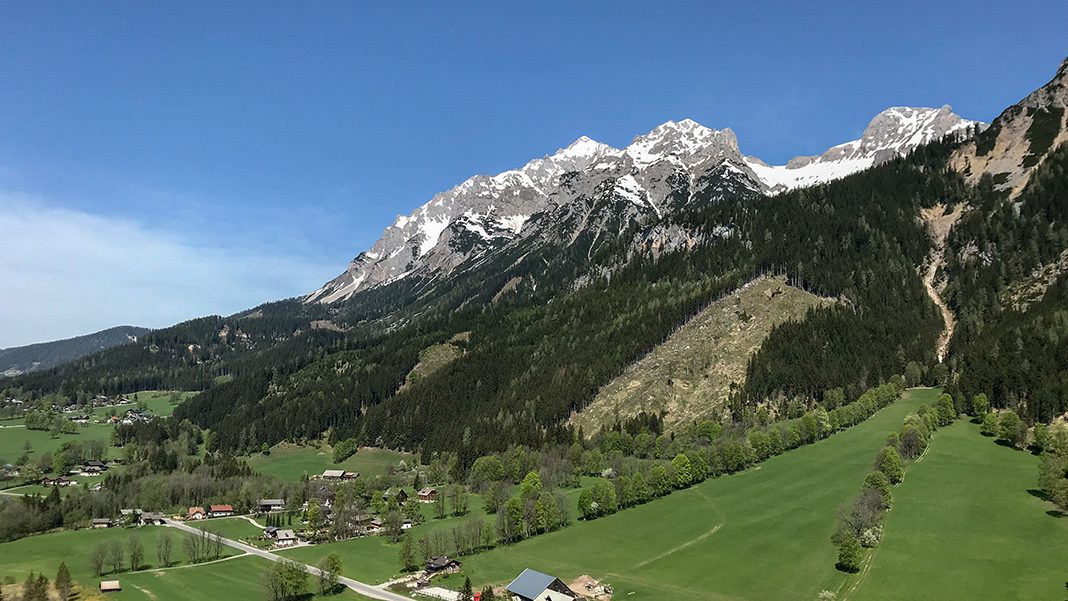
x: 151, y: 518
x: 428, y: 494
x: 285, y: 538
x: 442, y: 565
x: 339, y: 475
x: 533, y: 585
x: 395, y: 493
x: 196, y: 513
x: 110, y: 586
x: 270, y: 532
x: 220, y: 511
x: 59, y: 481
x: 94, y: 468
x: 269, y: 505
x: 375, y: 526
x: 102, y: 523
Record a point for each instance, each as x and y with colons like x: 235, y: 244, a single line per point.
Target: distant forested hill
x: 46, y: 355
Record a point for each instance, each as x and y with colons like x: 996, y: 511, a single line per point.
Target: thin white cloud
x: 65, y: 272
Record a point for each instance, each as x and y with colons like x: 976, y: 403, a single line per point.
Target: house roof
x: 530, y: 583
x: 222, y: 507
x: 110, y: 585
x: 285, y: 534
x: 151, y: 515
x: 272, y: 502
x: 101, y: 520
x: 427, y: 490
x: 193, y: 510
x: 270, y: 529
x: 437, y: 563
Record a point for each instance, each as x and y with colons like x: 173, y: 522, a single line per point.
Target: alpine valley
x: 545, y: 283
x: 668, y: 370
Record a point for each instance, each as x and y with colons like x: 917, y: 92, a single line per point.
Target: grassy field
x: 13, y: 440
x: 232, y: 528
x: 290, y: 462
x: 763, y: 534
x: 13, y: 437
x: 44, y: 552
x: 238, y: 578
x: 964, y: 526
x: 374, y: 559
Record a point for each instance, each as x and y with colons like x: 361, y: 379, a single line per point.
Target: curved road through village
x: 362, y: 588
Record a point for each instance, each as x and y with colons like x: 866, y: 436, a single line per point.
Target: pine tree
x: 466, y: 594
x: 63, y: 581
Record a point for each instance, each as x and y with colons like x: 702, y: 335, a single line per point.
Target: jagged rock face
x: 893, y: 132
x: 1020, y: 138
x: 589, y: 189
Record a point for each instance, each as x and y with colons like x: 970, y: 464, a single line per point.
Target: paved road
x: 362, y: 588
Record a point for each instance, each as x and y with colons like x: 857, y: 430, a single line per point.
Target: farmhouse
x: 196, y: 513
x: 442, y: 565
x: 339, y: 475
x: 285, y: 538
x: 220, y: 511
x: 110, y: 586
x: 395, y: 493
x: 151, y: 518
x: 428, y: 495
x: 270, y: 531
x: 95, y: 465
x: 269, y: 505
x: 533, y: 585
x: 102, y: 523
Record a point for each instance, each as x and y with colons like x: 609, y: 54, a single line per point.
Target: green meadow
x: 965, y: 526
x: 44, y: 552
x: 290, y: 462
x: 762, y: 534
x: 13, y: 439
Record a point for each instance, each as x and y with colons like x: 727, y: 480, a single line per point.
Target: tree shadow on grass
x: 1038, y: 494
x: 1057, y: 514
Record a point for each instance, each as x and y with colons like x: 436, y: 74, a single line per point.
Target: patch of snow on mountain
x: 431, y: 230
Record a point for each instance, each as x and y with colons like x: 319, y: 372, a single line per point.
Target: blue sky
x: 225, y: 154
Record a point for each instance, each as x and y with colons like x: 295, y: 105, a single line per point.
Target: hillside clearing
x: 691, y: 374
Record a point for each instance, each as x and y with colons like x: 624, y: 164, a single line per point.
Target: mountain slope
x: 46, y: 355
x: 485, y: 213
x: 691, y: 375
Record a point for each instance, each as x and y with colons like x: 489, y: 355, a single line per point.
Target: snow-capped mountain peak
x: 686, y: 141
x: 485, y: 212
x: 893, y: 132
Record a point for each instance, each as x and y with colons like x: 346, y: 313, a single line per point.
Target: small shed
x: 110, y: 586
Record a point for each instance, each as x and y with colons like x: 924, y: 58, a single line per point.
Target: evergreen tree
x: 63, y: 582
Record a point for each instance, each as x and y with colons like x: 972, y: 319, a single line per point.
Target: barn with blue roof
x: 533, y: 585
